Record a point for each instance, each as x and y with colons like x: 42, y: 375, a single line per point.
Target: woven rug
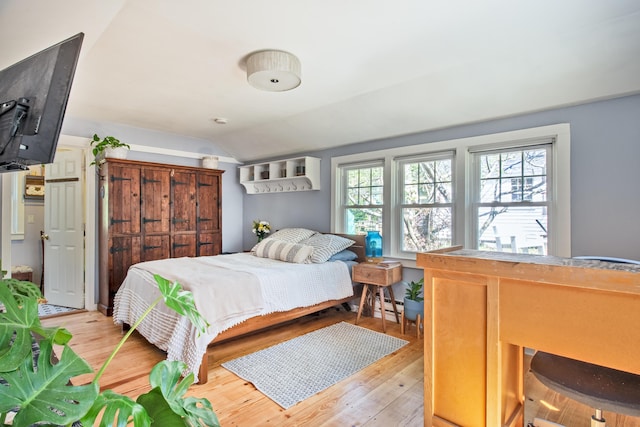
x: 294, y: 370
x: 46, y: 310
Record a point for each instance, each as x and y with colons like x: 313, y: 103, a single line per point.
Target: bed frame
x: 255, y: 324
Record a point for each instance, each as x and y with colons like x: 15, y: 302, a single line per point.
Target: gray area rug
x: 294, y: 370
x: 45, y: 310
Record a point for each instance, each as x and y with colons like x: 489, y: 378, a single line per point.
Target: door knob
x: 44, y: 236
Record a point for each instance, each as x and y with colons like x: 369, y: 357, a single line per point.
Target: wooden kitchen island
x: 483, y: 308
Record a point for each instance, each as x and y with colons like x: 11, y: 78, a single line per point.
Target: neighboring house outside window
x: 511, y: 199
x: 508, y: 191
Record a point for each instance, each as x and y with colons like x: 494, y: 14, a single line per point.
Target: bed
x: 241, y: 293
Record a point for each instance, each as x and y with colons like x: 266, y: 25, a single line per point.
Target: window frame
x: 401, y: 205
x: 559, y: 241
x: 343, y: 207
x: 475, y: 181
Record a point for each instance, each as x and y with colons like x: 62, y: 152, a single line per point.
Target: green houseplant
x: 101, y: 146
x: 38, y: 390
x: 413, y: 301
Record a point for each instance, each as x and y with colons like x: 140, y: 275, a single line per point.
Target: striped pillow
x: 326, y: 245
x: 284, y: 251
x: 293, y: 235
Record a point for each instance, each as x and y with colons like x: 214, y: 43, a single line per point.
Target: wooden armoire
x: 150, y: 211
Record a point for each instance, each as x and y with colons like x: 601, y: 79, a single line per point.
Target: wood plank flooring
x: 387, y: 393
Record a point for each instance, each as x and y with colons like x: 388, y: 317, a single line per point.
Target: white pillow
x: 283, y: 251
x: 293, y: 235
x: 326, y: 245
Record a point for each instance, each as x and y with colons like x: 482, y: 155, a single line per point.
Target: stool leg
x: 597, y: 420
x: 402, y: 323
x: 418, y: 323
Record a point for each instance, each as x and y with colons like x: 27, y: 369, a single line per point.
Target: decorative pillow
x: 293, y: 235
x: 325, y: 245
x: 345, y: 255
x: 284, y: 251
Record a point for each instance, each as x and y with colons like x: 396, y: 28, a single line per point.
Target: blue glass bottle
x: 373, y: 246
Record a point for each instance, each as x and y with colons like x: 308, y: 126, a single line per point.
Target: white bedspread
x: 272, y: 285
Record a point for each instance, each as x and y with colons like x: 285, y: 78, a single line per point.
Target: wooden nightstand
x: 378, y: 278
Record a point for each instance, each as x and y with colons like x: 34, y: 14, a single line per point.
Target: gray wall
x: 605, y: 177
x: 605, y: 195
x: 29, y: 251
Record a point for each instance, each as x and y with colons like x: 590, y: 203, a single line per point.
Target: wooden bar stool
x: 597, y: 386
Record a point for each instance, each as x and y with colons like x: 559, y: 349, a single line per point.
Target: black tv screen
x: 33, y: 99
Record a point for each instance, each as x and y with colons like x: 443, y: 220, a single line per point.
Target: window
x: 426, y: 186
x: 511, y: 199
x: 363, y: 198
x: 506, y: 191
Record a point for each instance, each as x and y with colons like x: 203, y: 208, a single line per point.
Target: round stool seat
x: 596, y: 386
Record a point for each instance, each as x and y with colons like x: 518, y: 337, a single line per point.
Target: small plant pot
x: 116, y: 152
x: 412, y: 308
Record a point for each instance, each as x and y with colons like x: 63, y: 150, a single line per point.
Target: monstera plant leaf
x: 181, y: 302
x: 44, y: 394
x: 119, y: 410
x: 165, y: 401
x: 17, y: 323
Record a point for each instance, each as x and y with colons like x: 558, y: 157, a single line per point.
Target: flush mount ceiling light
x: 273, y: 70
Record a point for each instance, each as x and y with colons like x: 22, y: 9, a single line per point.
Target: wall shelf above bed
x: 280, y: 176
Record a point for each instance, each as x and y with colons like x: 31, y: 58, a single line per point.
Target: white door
x: 63, y: 230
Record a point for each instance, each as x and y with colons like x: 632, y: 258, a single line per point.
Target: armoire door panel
x: 183, y: 245
x: 155, y: 247
x: 183, y: 199
x: 209, y: 244
x: 155, y: 200
x: 123, y: 252
x: 209, y: 212
x: 124, y: 199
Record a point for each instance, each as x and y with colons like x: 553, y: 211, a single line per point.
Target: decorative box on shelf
x: 279, y: 176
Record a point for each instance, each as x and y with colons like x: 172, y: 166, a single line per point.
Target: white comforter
x: 218, y: 284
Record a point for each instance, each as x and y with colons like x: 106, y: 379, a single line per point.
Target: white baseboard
x: 388, y: 309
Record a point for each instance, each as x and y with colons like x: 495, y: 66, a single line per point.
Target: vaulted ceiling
x: 370, y: 68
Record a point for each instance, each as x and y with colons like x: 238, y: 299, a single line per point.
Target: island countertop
x: 483, y: 308
x: 544, y: 268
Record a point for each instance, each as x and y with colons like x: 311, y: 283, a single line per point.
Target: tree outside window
x: 427, y: 204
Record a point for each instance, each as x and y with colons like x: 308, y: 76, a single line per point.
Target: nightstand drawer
x: 373, y: 275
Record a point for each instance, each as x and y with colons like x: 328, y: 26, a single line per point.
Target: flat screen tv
x: 33, y: 100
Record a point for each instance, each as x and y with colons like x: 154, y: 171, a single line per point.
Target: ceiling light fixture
x: 273, y: 70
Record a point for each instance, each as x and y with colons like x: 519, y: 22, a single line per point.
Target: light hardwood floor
x: 387, y: 393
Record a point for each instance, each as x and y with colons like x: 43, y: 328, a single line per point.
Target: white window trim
x: 559, y: 242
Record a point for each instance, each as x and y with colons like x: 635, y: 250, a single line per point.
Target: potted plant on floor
x: 108, y: 146
x: 413, y: 301
x: 36, y: 384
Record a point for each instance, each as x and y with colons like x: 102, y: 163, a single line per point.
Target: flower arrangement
x: 261, y: 229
